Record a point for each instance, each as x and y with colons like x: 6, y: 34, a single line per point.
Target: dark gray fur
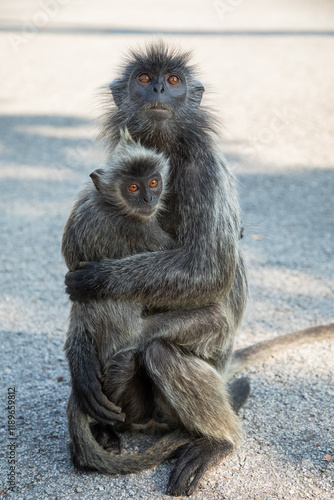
x: 198, y: 289
x: 103, y: 225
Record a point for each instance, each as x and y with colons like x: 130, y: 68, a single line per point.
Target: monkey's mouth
x: 158, y: 107
x: 143, y: 213
x: 147, y: 210
x: 158, y: 113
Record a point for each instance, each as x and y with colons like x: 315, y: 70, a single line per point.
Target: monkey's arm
x: 79, y: 229
x: 201, y: 266
x: 86, y: 374
x: 244, y: 358
x: 69, y: 245
x: 80, y: 343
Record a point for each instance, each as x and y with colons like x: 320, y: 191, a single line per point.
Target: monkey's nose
x: 159, y: 88
x: 147, y: 198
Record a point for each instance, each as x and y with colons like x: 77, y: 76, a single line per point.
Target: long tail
x: 243, y: 358
x: 87, y: 453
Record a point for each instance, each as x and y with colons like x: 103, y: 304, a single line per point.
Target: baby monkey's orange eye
x: 133, y: 188
x: 153, y: 183
x: 144, y: 78
x: 173, y: 79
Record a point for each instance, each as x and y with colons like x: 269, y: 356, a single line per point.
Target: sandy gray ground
x: 269, y: 68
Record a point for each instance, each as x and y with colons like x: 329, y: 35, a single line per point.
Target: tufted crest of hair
x: 191, y: 118
x: 131, y: 159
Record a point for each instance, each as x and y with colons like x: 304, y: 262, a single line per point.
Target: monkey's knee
x: 155, y: 348
x: 158, y: 353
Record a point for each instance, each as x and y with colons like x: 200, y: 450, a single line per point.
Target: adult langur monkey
x: 196, y: 290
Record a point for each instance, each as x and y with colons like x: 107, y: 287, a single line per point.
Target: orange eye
x: 173, y: 79
x: 144, y: 78
x: 133, y: 188
x: 153, y: 183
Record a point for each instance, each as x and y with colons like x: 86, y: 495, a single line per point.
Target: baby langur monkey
x: 114, y: 216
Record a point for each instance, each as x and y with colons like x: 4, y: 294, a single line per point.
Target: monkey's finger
x: 77, y: 291
x: 191, y: 463
x: 73, y: 278
x: 102, y: 414
x: 103, y: 401
x: 181, y: 475
x: 83, y: 264
x: 79, y: 285
x: 194, y: 483
x: 104, y: 410
x: 107, y: 404
x: 69, y: 276
x: 111, y: 418
x: 70, y: 283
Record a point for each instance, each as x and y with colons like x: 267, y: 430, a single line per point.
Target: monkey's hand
x: 85, y: 283
x: 92, y: 400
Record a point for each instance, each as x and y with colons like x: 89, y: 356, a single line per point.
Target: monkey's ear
x: 125, y: 137
x: 198, y: 90
x: 117, y: 90
x: 97, y: 178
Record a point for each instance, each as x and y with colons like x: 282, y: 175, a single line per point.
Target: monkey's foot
x: 107, y: 438
x: 194, y: 460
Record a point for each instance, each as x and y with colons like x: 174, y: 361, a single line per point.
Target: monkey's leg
x: 196, y: 457
x: 239, y: 391
x: 199, y: 396
x: 85, y: 366
x: 127, y: 384
x: 194, y: 389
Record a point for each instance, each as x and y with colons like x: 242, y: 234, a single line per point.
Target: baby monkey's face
x: 142, y: 194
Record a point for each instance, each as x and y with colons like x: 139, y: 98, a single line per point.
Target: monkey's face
x: 141, y: 195
x: 157, y: 97
x: 159, y: 94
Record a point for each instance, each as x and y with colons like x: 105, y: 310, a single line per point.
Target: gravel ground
x: 268, y: 70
